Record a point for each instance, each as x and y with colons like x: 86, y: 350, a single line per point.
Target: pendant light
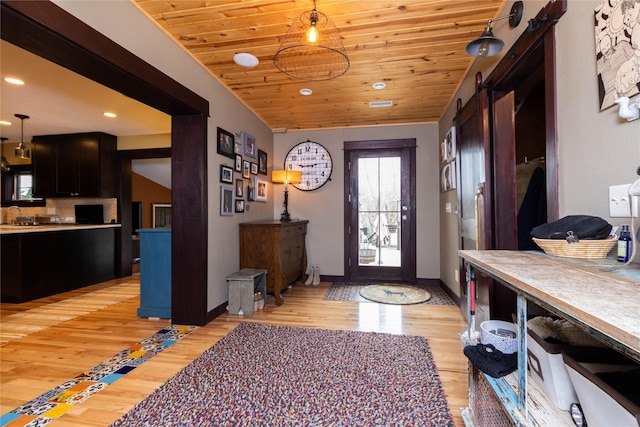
x: 488, y: 44
x: 4, y: 164
x: 21, y: 151
x: 312, y: 49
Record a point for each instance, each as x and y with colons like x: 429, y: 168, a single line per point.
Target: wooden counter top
x: 581, y: 290
x: 21, y: 229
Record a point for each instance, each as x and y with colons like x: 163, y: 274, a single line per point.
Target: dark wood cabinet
x: 39, y: 264
x: 278, y: 247
x: 69, y: 165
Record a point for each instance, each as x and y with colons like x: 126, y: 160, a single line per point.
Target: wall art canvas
x: 617, y: 34
x: 448, y: 176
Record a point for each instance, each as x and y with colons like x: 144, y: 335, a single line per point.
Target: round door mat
x: 394, y: 294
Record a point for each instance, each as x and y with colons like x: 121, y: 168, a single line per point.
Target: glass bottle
x: 624, y: 244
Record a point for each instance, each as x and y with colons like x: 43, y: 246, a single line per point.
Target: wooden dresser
x: 278, y: 247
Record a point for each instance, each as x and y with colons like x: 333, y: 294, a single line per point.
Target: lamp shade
x: 286, y: 176
x: 485, y: 45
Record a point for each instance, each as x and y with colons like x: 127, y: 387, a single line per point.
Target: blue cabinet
x: 155, y: 273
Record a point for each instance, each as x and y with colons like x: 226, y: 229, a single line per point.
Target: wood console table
x: 604, y: 304
x: 277, y: 246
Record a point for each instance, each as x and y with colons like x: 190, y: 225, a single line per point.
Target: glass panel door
x: 379, y: 204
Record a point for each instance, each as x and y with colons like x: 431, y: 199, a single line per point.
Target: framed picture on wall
x: 239, y: 187
x: 261, y: 189
x: 262, y: 162
x: 246, y: 169
x: 238, y: 164
x: 450, y: 144
x: 226, y: 143
x: 254, y: 168
x: 226, y: 174
x: 161, y: 215
x: 448, y: 176
x: 239, y: 205
x: 227, y: 200
x: 250, y: 146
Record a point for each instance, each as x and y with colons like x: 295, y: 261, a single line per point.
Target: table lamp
x: 286, y: 177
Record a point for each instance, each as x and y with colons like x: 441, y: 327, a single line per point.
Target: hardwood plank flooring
x: 41, y: 360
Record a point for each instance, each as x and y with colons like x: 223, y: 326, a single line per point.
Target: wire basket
x: 583, y: 249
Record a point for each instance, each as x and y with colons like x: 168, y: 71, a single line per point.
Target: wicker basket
x: 582, y: 249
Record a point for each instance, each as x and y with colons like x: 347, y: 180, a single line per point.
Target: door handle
x: 478, y: 199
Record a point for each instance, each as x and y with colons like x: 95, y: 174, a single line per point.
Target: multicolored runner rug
x: 350, y: 291
x: 49, y: 406
x: 264, y: 375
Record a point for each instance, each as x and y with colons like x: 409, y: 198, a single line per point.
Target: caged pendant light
x: 21, y: 151
x: 312, y: 49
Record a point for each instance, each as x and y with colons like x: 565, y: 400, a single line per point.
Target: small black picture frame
x: 246, y: 169
x: 226, y: 144
x: 262, y: 162
x: 226, y: 174
x: 254, y: 168
x: 238, y: 164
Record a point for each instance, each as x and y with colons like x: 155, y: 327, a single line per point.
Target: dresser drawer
x: 289, y: 231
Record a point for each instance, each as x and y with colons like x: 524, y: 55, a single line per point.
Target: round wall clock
x: 313, y: 160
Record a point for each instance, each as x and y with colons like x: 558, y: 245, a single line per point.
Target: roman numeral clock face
x: 314, y: 161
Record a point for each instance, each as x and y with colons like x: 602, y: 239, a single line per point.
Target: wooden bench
x: 243, y: 285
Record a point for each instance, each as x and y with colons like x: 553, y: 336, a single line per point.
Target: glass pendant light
x: 21, y: 151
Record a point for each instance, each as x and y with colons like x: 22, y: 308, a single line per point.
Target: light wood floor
x: 37, y: 362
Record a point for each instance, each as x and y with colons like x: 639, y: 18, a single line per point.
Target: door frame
x: 50, y: 32
x: 409, y: 270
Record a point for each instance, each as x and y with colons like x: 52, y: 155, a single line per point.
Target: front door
x: 380, y: 217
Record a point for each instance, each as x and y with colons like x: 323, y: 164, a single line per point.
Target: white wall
x: 595, y: 149
x: 123, y: 22
x: 324, y: 208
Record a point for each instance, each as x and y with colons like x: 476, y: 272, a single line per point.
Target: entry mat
x: 44, y: 409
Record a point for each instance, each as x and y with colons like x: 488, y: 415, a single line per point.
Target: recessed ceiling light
x: 379, y: 85
x: 245, y: 60
x: 5, y: 123
x: 110, y: 115
x: 305, y: 91
x: 13, y: 81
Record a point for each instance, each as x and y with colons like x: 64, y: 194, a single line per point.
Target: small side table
x: 243, y: 285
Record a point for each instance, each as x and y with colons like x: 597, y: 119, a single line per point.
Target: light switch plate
x: 619, y: 202
x: 447, y: 207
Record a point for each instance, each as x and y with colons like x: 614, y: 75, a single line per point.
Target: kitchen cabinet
x: 279, y: 247
x: 70, y: 165
x: 600, y: 302
x: 46, y: 260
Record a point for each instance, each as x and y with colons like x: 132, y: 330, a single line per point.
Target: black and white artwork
x: 617, y: 33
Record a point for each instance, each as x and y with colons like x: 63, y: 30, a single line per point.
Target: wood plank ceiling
x: 416, y: 47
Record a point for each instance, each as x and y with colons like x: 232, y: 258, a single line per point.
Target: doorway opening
x: 379, y: 207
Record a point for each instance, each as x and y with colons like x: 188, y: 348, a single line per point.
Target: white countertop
x: 21, y: 229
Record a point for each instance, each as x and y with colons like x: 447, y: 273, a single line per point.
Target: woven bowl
x: 590, y: 249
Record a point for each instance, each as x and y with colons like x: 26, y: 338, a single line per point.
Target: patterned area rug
x: 394, y: 294
x: 350, y: 291
x: 264, y: 375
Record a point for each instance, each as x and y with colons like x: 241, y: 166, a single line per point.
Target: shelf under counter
x: 585, y: 292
